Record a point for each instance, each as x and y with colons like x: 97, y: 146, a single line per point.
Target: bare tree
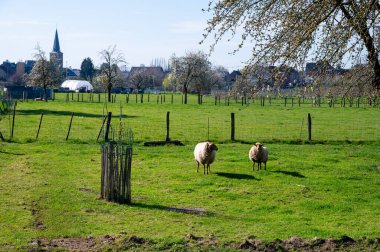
x: 44, y: 73
x: 288, y: 32
x: 109, y: 70
x: 187, y: 71
x: 139, y: 80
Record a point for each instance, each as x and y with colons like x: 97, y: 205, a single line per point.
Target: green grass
x: 327, y: 188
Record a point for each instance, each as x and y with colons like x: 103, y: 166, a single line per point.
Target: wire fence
x: 290, y: 100
x: 195, y: 123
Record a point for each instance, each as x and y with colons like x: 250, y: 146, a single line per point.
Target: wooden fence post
x: 101, y: 128
x: 167, y: 126
x: 71, y: 121
x: 108, y: 126
x: 232, y: 126
x: 309, y: 127
x: 208, y: 128
x: 39, y: 126
x: 13, y: 118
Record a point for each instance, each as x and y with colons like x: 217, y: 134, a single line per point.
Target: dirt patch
x: 188, y: 210
x: 191, y: 242
x: 36, y: 214
x: 345, y: 243
x: 73, y: 244
x: 86, y: 190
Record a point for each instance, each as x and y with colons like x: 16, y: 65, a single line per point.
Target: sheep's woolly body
x: 205, y: 153
x: 258, y: 154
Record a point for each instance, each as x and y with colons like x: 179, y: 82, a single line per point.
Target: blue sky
x: 142, y: 30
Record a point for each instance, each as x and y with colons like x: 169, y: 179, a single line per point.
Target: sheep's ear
x: 209, y: 146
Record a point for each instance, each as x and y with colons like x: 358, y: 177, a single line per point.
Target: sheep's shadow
x: 236, y: 176
x: 294, y: 174
x: 185, y: 210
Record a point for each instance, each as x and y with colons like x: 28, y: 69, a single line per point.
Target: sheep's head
x: 211, y: 147
x: 259, y: 146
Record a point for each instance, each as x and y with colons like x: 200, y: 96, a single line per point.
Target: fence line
x: 217, y: 100
x: 249, y: 126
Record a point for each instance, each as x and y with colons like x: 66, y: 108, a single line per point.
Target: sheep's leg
x: 208, y: 169
x: 253, y: 166
x: 204, y: 169
x: 198, y: 166
x: 265, y: 165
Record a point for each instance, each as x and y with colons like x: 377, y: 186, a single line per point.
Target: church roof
x: 56, y: 47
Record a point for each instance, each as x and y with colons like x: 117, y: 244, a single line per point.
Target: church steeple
x: 56, y: 55
x: 56, y: 47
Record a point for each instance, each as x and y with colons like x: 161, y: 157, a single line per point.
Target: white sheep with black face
x: 205, y: 153
x: 258, y: 154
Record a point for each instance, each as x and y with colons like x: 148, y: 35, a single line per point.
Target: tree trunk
x: 45, y: 93
x: 360, y: 26
x: 376, y: 72
x: 185, y: 92
x: 109, y: 87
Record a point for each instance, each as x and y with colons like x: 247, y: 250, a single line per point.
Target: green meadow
x: 328, y: 187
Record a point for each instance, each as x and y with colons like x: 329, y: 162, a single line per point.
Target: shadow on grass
x: 185, y: 210
x: 294, y: 174
x: 10, y: 153
x: 236, y: 176
x: 65, y: 113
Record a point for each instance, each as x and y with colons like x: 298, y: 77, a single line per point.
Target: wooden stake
x: 39, y: 126
x: 71, y: 121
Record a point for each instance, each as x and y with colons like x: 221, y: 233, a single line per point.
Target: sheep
x: 258, y: 153
x: 205, y: 154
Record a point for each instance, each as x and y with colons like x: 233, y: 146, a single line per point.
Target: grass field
x: 327, y: 188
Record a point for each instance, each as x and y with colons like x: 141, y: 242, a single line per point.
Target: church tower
x: 56, y: 55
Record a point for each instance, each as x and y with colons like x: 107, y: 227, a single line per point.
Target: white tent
x: 76, y: 85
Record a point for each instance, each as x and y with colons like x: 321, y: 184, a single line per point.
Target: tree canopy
x: 87, y: 69
x: 44, y: 73
x: 109, y: 70
x: 290, y: 32
x: 187, y: 71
